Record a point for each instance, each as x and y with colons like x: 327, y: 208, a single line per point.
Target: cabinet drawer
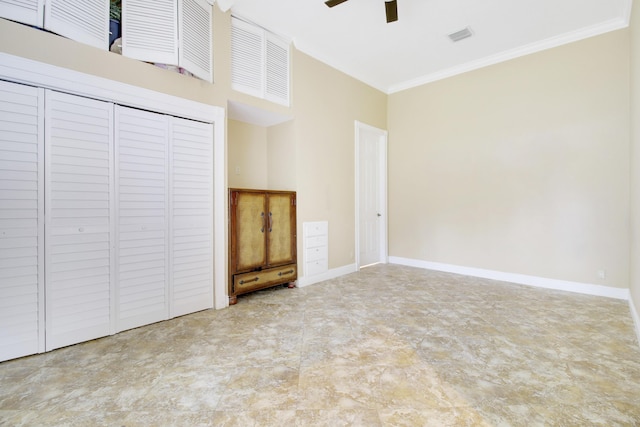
x: 318, y: 228
x: 262, y: 279
x: 315, y: 254
x: 316, y: 267
x: 315, y: 241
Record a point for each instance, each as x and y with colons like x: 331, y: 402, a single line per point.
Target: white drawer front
x: 314, y: 254
x: 316, y: 267
x: 315, y: 241
x: 318, y: 228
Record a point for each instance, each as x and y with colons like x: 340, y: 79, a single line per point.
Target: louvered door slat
x: 194, y: 18
x: 259, y: 62
x: 191, y: 216
x: 246, y: 58
x: 86, y: 21
x: 29, y: 12
x: 142, y: 212
x: 79, y: 226
x: 21, y: 220
x: 150, y: 30
x: 277, y: 71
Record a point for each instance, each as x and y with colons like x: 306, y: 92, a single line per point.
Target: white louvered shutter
x: 141, y: 222
x: 195, y: 18
x: 85, y: 21
x: 21, y: 220
x: 29, y: 12
x: 191, y: 216
x: 150, y: 30
x: 277, y: 70
x: 79, y: 231
x: 247, y: 50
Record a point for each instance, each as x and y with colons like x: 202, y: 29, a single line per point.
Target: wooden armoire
x: 262, y: 240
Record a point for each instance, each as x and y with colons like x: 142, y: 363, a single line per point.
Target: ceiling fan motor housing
x: 391, y: 8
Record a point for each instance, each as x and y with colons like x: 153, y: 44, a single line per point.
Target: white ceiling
x: 355, y: 38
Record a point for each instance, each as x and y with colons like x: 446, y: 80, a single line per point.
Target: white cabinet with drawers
x: 316, y: 247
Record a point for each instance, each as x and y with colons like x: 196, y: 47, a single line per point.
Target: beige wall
x: 521, y: 167
x: 313, y: 154
x: 246, y: 155
x: 326, y: 104
x: 21, y: 40
x: 635, y: 158
x: 281, y: 154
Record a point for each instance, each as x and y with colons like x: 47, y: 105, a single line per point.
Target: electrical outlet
x: 237, y: 170
x: 602, y: 274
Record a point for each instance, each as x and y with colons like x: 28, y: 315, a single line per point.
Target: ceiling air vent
x: 460, y: 35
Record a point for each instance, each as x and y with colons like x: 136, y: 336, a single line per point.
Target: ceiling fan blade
x: 391, y: 8
x: 332, y: 3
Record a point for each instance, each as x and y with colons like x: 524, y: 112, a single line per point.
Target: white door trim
x: 34, y: 73
x: 382, y: 185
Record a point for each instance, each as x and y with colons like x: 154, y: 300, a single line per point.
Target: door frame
x: 382, y: 187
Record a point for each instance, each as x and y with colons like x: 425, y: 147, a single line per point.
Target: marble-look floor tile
x: 386, y: 346
x: 346, y: 387
x: 432, y: 417
x: 261, y: 388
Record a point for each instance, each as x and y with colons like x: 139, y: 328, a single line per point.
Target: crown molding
x: 563, y: 39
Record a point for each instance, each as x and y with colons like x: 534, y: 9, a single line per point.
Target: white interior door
x: 195, y: 41
x: 78, y: 210
x: 150, y: 30
x: 142, y: 222
x: 191, y: 184
x: 371, y: 197
x: 82, y: 21
x: 30, y: 12
x: 21, y: 220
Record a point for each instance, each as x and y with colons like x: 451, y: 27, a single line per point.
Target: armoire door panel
x: 79, y: 232
x: 281, y: 229
x: 21, y: 220
x: 250, y: 228
x: 141, y: 150
x: 191, y: 253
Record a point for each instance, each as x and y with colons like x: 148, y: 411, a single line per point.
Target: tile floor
x: 388, y: 346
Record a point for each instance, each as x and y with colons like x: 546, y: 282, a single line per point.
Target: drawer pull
x: 283, y: 273
x: 255, y: 279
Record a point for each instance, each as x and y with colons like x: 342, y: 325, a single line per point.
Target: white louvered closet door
x: 150, y: 30
x: 194, y: 18
x: 79, y: 231
x: 142, y: 217
x: 277, y: 71
x: 192, y: 216
x: 21, y: 220
x: 247, y: 53
x: 80, y: 20
x: 29, y: 12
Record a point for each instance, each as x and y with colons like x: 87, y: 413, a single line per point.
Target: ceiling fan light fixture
x: 460, y: 35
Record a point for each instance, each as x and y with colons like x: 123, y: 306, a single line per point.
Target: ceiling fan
x: 391, y: 8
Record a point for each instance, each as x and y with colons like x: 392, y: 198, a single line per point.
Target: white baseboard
x: 635, y: 317
x: 330, y: 274
x: 522, y: 279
